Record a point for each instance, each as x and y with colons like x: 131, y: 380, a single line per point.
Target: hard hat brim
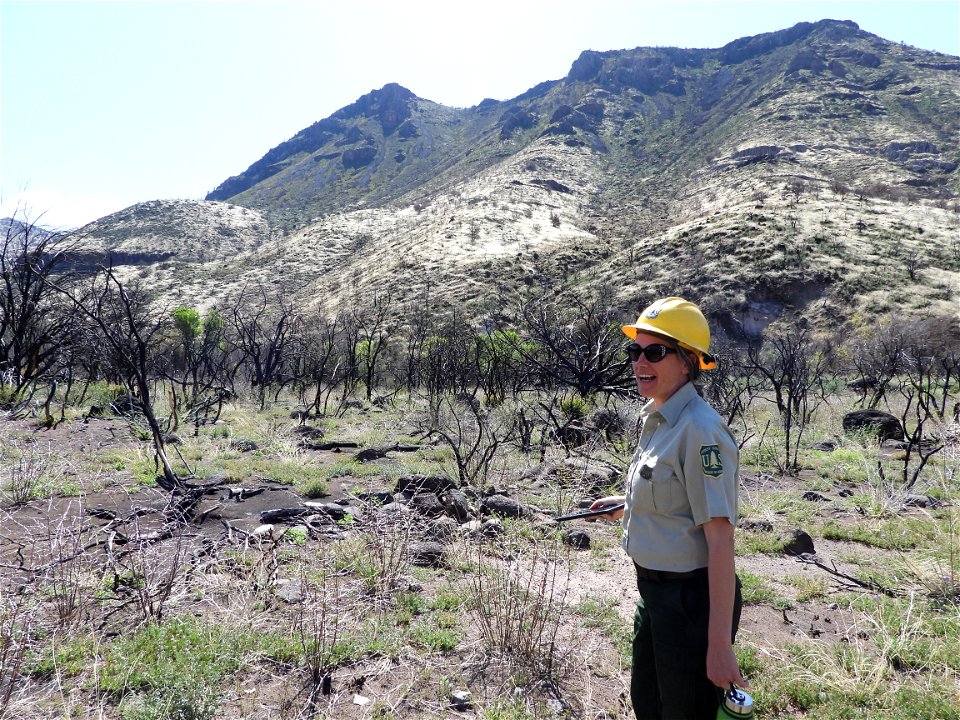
x: 707, y: 361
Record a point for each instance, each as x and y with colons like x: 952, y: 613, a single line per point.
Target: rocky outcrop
x: 358, y: 157
x: 390, y: 105
x: 874, y: 422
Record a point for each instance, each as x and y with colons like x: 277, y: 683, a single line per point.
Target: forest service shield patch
x: 711, y: 460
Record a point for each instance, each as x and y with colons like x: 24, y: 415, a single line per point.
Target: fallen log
x: 335, y: 445
x: 268, y: 517
x: 375, y: 453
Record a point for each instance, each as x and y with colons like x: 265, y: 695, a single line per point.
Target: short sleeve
x: 711, y: 465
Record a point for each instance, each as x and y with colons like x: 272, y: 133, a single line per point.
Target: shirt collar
x: 671, y: 409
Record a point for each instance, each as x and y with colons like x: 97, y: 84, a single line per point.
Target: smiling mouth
x: 646, y: 378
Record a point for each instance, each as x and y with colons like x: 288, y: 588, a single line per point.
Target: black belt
x: 662, y: 575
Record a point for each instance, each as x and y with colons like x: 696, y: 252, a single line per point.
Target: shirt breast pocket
x: 668, y: 494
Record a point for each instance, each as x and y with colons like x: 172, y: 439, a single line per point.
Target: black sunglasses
x: 654, y: 353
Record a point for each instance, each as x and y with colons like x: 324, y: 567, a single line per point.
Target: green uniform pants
x: 669, y: 679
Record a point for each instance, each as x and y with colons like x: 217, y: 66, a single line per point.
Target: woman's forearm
x: 720, y: 568
x: 722, y: 667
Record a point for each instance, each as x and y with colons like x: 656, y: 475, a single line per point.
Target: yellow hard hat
x: 679, y: 320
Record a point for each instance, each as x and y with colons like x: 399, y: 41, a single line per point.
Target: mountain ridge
x: 313, y: 172
x: 727, y: 174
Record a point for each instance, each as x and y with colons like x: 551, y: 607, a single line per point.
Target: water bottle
x: 736, y: 705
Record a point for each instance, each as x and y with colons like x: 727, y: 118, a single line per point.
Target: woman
x: 681, y: 509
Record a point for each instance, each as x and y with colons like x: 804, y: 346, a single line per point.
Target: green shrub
x: 314, y: 488
x: 575, y: 407
x: 434, y: 639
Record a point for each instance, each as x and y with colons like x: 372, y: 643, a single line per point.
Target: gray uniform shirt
x: 683, y: 473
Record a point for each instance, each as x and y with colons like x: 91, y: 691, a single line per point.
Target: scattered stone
x: 361, y: 700
x: 845, y: 492
x: 376, y: 497
x: 503, y: 506
x: 96, y: 411
x: 895, y: 445
x: 458, y: 506
x: 483, y: 528
x: 461, y: 700
x: 242, y: 445
x: 921, y: 501
x: 427, y: 554
x: 491, y: 528
x: 427, y: 503
x: 374, y: 453
x: 594, y: 473
x: 290, y: 591
x: 825, y: 446
x: 815, y: 496
x: 308, y: 432
x: 876, y: 422
x: 607, y: 421
x: 798, y: 542
x: 394, y: 507
x: 757, y: 525
x: 300, y: 413
x: 472, y: 528
x: 441, y: 529
x: 127, y: 406
x: 577, y: 539
x: 171, y: 439
x: 262, y: 531
x: 540, y: 471
x: 556, y: 706
x: 424, y: 483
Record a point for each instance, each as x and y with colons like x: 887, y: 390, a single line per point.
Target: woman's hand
x: 722, y: 668
x: 603, y: 502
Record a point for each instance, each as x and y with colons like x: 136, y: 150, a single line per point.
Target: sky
x: 106, y: 104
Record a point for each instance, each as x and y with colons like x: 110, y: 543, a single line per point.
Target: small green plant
x: 448, y: 599
x: 314, y: 488
x: 844, y: 464
x: 575, y: 407
x: 510, y: 710
x: 378, y: 555
x: 296, y: 535
x: 808, y: 588
x: 754, y: 590
x: 434, y: 639
x: 220, y: 432
x: 29, y: 473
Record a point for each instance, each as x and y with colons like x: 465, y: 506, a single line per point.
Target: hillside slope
x: 812, y: 169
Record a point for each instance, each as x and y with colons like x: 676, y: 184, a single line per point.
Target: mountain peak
x: 390, y: 105
x: 746, y: 48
